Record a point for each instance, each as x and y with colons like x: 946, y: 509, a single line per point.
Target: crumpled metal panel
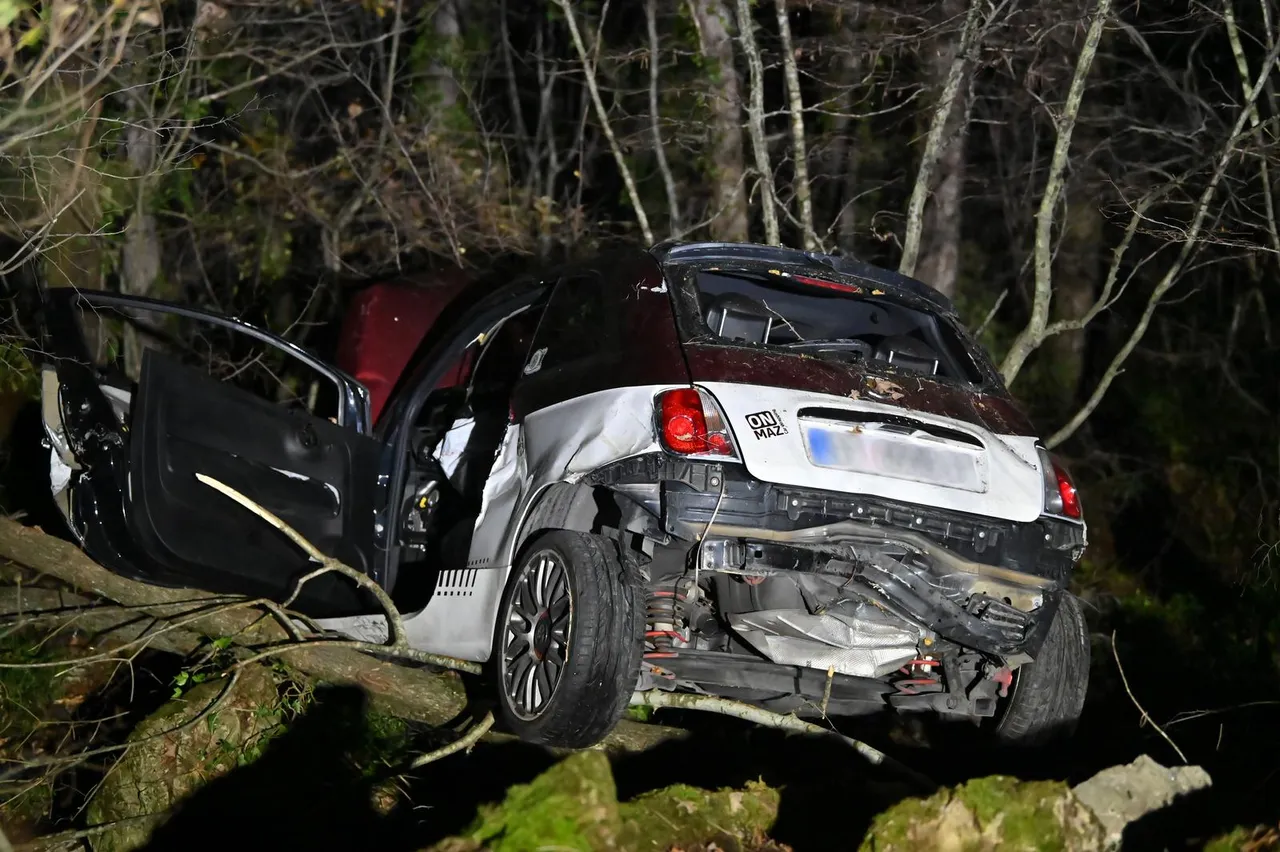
x: 862, y: 647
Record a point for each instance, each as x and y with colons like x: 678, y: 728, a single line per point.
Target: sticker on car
x: 766, y: 424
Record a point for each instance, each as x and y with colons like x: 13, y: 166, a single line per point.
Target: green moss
x: 1026, y: 809
x: 25, y: 692
x: 685, y: 816
x: 571, y: 806
x: 988, y: 813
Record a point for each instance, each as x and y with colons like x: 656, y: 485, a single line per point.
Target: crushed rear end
x: 853, y: 513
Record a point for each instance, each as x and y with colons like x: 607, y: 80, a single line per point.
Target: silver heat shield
x: 868, y: 644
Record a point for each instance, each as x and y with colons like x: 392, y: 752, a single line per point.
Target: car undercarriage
x: 816, y: 603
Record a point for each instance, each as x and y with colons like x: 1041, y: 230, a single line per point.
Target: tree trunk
x: 140, y: 259
x: 938, y: 261
x: 447, y: 24
x: 729, y: 212
x: 1076, y: 272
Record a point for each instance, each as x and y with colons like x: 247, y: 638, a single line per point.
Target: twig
x: 1146, y: 717
x: 656, y: 698
x: 62, y: 839
x: 465, y: 742
x: 1173, y: 274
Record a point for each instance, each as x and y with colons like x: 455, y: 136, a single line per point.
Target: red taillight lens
x: 1067, y: 492
x: 690, y: 427
x: 1060, y: 496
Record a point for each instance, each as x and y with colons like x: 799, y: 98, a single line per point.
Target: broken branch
x: 657, y: 698
x: 397, y: 643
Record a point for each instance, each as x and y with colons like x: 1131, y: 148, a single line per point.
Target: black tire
x: 1047, y: 697
x: 601, y: 651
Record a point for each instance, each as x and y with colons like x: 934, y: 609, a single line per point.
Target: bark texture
x: 729, y: 218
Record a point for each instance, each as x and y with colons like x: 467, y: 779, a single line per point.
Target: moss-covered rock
x: 683, y: 816
x: 574, y: 806
x: 995, y: 813
x: 181, y: 747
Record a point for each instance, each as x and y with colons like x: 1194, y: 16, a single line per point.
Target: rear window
x: 830, y: 321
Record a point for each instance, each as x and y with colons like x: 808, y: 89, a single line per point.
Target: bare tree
x: 729, y: 220
x: 944, y: 147
x: 755, y: 124
x: 795, y: 106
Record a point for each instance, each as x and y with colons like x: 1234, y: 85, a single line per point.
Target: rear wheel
x: 1048, y: 694
x: 570, y: 634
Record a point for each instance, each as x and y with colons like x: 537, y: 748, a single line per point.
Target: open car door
x: 130, y: 452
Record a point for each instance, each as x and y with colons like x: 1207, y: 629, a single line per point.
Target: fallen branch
x: 409, y: 692
x: 657, y: 698
x: 465, y: 742
x: 397, y: 643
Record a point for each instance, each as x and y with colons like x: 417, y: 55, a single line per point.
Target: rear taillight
x: 692, y: 424
x: 1060, y: 495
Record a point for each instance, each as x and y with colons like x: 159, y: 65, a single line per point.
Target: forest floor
x: 99, y: 744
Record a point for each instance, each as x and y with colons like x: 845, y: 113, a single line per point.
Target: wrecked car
x: 775, y: 476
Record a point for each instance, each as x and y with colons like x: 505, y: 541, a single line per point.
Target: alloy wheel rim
x: 537, y: 627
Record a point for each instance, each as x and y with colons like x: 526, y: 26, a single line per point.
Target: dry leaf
x: 884, y: 387
x: 877, y: 292
x: 354, y: 109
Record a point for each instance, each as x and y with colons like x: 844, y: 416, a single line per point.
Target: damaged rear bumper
x: 985, y: 584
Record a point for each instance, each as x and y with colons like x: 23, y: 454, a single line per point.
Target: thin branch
x: 1146, y: 717
x: 465, y: 742
x: 1190, y: 242
x: 659, y: 150
x: 755, y: 123
x: 1032, y: 335
x: 795, y: 105
x: 934, y: 142
x: 397, y: 643
x: 1264, y: 170
x: 603, y: 117
x: 657, y: 698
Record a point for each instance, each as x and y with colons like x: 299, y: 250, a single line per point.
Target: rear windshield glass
x: 831, y: 323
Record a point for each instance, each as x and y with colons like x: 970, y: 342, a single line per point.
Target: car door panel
x: 316, y: 476
x: 137, y: 506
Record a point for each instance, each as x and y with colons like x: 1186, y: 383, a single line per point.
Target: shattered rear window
x: 832, y: 321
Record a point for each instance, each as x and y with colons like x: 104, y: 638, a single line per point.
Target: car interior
x: 831, y: 325
x: 454, y: 442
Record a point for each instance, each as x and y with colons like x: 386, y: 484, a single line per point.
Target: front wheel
x: 1048, y: 694
x: 570, y: 635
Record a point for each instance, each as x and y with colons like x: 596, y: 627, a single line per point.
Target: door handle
x: 307, y: 436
